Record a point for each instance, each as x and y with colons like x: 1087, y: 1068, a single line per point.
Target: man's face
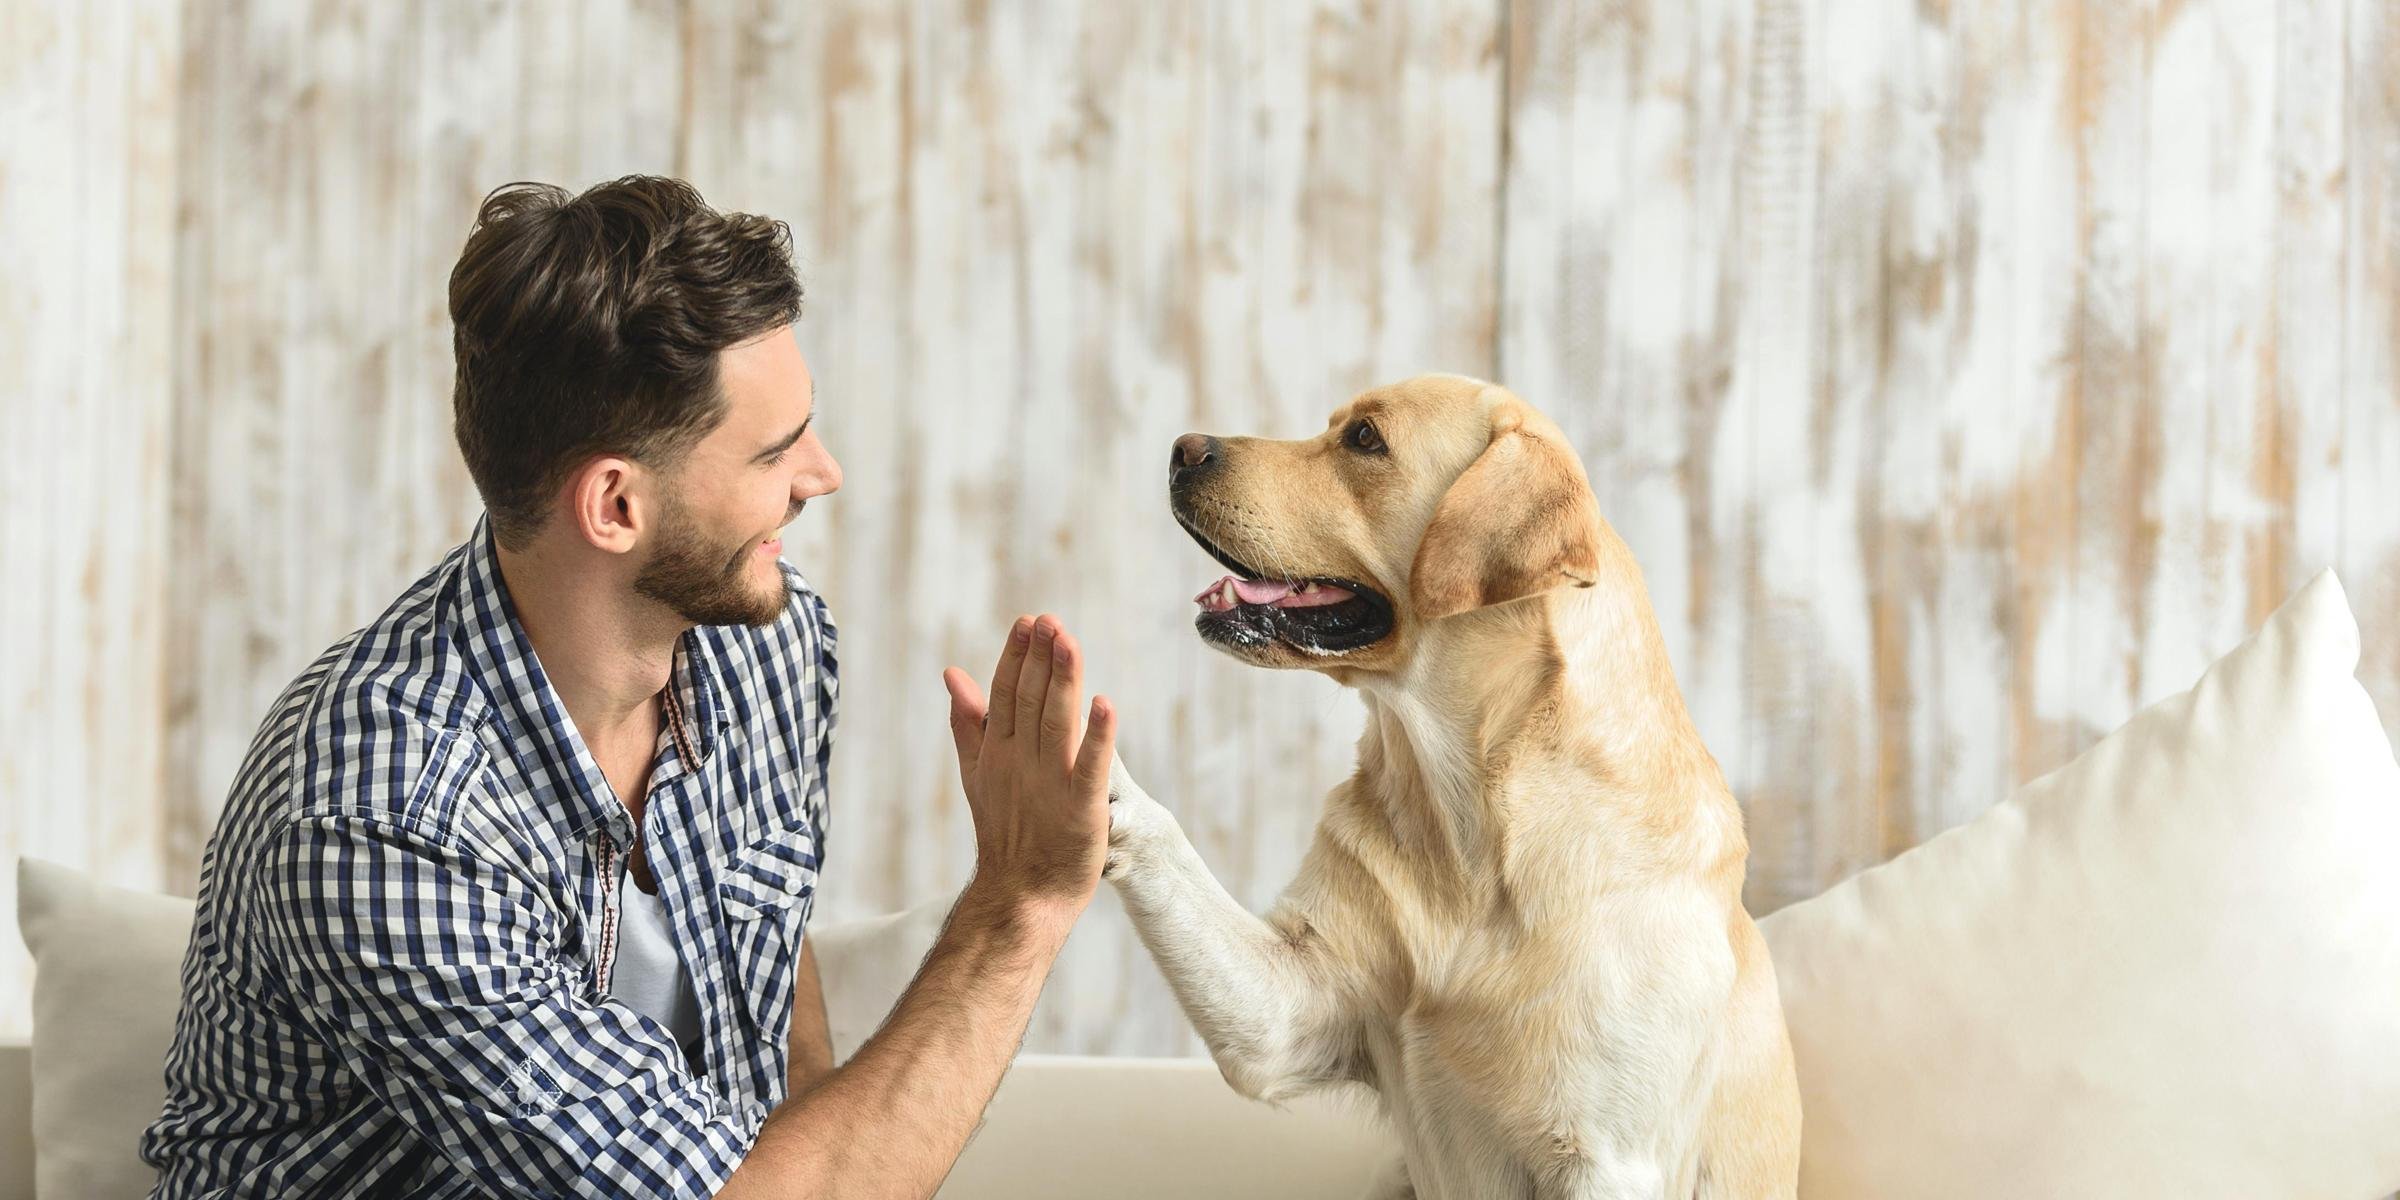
x: 720, y: 512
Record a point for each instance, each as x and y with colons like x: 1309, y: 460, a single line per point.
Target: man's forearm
x: 892, y: 1120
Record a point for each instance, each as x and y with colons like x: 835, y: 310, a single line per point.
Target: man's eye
x: 1362, y: 436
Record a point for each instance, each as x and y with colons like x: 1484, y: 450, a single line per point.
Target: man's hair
x: 590, y: 325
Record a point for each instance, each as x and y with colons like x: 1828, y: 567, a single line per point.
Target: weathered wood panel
x: 2024, y: 358
x: 2369, y: 449
x: 88, y: 161
x: 1964, y: 375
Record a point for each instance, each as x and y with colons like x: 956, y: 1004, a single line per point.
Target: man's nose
x: 825, y: 480
x: 1193, y: 453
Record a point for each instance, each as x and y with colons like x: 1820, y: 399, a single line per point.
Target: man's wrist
x: 1017, y: 911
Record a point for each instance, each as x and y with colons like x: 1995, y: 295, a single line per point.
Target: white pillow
x: 108, y: 964
x: 2170, y: 968
x: 864, y: 964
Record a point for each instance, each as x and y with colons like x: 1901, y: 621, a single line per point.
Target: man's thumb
x: 966, y: 717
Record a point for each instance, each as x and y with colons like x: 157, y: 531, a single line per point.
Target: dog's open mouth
x: 1318, y: 614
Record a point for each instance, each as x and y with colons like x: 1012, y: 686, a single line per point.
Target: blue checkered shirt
x: 395, y: 984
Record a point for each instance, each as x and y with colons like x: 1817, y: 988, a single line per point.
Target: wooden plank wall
x: 1964, y: 375
x: 90, y: 106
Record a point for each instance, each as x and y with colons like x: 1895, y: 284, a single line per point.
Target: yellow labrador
x: 1520, y: 920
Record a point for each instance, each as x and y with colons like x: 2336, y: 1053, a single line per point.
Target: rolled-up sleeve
x: 436, y: 976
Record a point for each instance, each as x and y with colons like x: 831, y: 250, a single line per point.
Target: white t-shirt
x: 649, y: 976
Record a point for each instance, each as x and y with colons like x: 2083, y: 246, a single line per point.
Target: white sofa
x: 1062, y: 1127
x: 1067, y: 1127
x: 16, y: 1121
x: 2170, y: 968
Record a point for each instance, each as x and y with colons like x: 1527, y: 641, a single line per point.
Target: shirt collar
x: 533, y: 719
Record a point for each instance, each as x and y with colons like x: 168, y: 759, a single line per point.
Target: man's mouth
x: 774, y: 542
x: 1317, y: 614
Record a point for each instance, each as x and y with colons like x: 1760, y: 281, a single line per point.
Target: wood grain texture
x: 89, y: 103
x: 1963, y: 375
x: 2012, y: 374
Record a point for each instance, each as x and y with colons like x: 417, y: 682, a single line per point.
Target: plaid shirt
x: 394, y: 985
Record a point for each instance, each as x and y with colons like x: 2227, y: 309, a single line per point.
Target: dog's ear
x: 1520, y: 521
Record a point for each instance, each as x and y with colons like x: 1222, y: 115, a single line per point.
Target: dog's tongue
x: 1278, y: 592
x: 1261, y: 591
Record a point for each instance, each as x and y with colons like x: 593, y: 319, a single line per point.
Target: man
x: 509, y: 896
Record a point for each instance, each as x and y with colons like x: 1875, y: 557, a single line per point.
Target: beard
x: 704, y: 583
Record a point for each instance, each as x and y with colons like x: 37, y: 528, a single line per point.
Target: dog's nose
x: 1192, y: 451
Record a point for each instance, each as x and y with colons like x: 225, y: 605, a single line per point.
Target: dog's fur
x: 1520, y: 920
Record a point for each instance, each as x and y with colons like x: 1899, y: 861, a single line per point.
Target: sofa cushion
x: 1066, y: 1127
x: 865, y: 963
x: 106, y: 964
x: 2169, y: 968
x: 1072, y: 1127
x: 16, y: 1121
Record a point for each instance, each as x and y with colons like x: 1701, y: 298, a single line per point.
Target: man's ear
x: 1521, y: 520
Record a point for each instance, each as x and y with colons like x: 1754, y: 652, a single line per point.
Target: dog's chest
x: 1462, y: 993
x: 1501, y: 1016
x: 1461, y: 1073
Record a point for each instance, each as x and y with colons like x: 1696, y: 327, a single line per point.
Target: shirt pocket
x: 766, y: 893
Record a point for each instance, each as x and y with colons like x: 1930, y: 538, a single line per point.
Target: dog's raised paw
x: 1134, y: 821
x: 1120, y: 858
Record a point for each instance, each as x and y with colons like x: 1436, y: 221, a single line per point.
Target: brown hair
x: 591, y: 325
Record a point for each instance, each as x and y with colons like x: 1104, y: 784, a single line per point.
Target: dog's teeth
x: 1306, y: 587
x: 1228, y: 593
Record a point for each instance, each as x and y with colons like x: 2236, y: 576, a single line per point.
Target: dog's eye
x: 1362, y: 436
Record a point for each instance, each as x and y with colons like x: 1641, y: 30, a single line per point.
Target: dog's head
x: 1429, y: 498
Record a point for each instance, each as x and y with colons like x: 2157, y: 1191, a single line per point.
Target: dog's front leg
x: 1260, y: 991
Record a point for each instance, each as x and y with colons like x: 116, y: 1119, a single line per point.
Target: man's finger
x: 1033, y: 678
x: 1004, y: 678
x: 966, y: 716
x: 1063, y: 696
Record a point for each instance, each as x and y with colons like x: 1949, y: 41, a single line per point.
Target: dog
x: 1520, y: 920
